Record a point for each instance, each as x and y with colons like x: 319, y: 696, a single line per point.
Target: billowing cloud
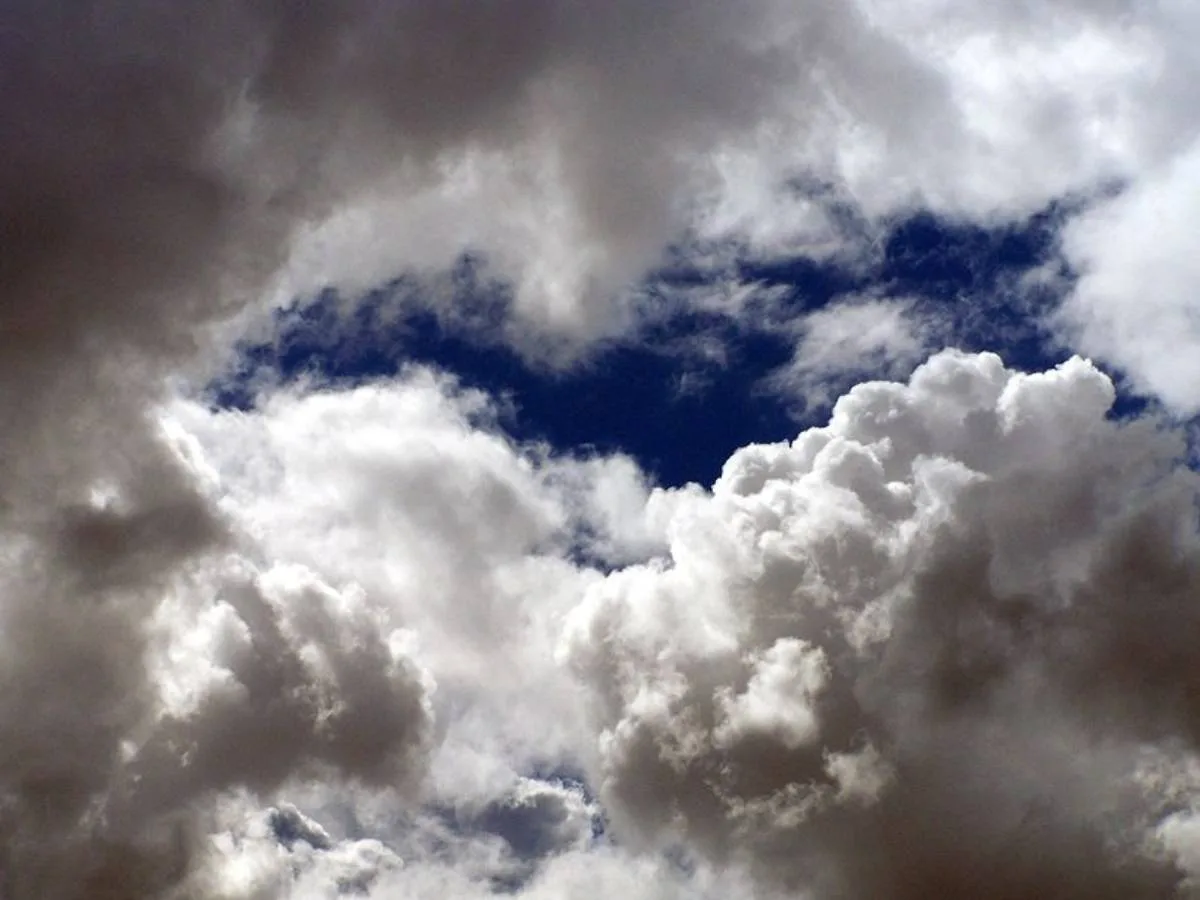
x: 942, y: 644
x: 407, y: 489
x: 925, y: 649
x: 340, y: 597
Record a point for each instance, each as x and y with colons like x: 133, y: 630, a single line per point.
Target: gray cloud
x: 104, y: 790
x: 289, y: 825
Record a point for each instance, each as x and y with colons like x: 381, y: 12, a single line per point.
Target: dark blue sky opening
x: 677, y: 412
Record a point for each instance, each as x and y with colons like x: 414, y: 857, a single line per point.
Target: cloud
x: 923, y: 649
x: 166, y: 165
x: 362, y: 587
x: 1134, y: 303
x: 392, y: 609
x: 848, y: 341
x: 108, y: 783
x: 406, y: 496
x: 289, y: 825
x: 943, y: 643
x: 254, y: 865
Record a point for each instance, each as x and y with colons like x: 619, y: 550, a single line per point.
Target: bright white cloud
x: 778, y: 700
x: 406, y: 491
x: 1137, y: 302
x: 923, y: 624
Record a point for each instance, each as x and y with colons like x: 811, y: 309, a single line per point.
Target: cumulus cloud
x: 941, y: 644
x: 924, y: 649
x: 360, y: 576
x: 408, y: 489
x: 107, y: 784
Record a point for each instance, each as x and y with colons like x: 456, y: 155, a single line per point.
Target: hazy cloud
x: 846, y: 342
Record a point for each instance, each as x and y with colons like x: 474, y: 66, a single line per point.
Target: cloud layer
x: 945, y: 644
x: 168, y: 166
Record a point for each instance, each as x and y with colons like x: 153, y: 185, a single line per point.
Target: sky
x: 557, y: 449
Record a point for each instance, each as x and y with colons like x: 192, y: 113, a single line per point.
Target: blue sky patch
x: 678, y: 411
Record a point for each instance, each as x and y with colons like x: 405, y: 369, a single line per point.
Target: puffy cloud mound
x: 129, y: 713
x: 944, y: 644
x: 930, y: 649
